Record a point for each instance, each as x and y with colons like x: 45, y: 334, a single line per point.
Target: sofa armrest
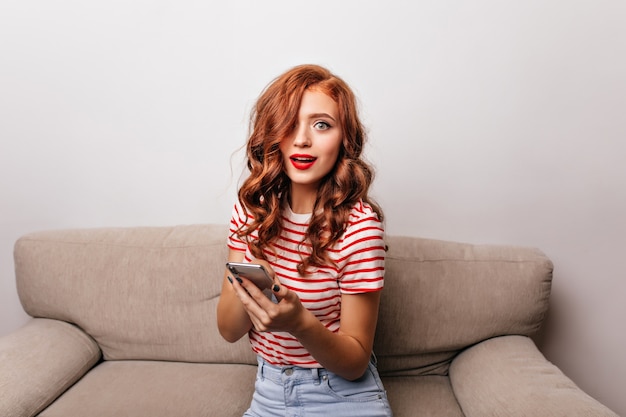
x: 508, y: 376
x: 39, y: 362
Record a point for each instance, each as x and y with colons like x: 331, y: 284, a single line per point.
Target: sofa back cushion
x: 441, y: 297
x: 151, y: 293
x: 141, y: 293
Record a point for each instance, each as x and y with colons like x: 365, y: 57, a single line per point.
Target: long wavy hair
x: 265, y: 191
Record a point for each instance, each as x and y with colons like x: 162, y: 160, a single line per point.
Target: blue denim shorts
x: 293, y: 391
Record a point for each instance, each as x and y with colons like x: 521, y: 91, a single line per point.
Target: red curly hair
x: 265, y: 190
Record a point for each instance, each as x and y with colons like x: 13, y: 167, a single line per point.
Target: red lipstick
x: 302, y: 161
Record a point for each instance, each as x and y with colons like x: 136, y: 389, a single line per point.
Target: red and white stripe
x: 359, y: 258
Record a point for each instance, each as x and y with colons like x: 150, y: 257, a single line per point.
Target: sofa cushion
x: 151, y: 293
x: 148, y: 389
x: 412, y: 396
x: 441, y: 297
x: 141, y: 293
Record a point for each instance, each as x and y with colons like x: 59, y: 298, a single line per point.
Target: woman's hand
x: 284, y: 316
x: 346, y: 352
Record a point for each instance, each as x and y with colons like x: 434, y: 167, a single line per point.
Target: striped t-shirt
x: 359, y: 256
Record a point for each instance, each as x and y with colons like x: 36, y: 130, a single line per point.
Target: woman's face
x: 311, y: 150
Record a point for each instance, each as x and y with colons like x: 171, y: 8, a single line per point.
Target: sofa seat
x: 430, y: 395
x: 157, y: 388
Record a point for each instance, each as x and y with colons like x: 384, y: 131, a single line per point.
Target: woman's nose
x: 301, y: 136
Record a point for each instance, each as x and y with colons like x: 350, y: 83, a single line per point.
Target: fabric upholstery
x: 427, y: 395
x: 50, y: 356
x: 148, y: 388
x: 145, y: 293
x: 508, y: 376
x: 126, y: 326
x: 440, y: 297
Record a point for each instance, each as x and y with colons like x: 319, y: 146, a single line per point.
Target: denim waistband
x: 280, y: 373
x: 294, y: 373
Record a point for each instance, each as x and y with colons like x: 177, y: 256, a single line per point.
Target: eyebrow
x: 317, y: 115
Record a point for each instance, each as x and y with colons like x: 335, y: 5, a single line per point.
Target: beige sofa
x: 124, y: 325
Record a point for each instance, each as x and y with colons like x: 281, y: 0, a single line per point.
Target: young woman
x: 305, y: 215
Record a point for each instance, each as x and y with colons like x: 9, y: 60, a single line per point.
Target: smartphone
x: 253, y: 272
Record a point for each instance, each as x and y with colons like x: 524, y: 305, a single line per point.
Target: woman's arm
x: 233, y: 321
x: 346, y: 353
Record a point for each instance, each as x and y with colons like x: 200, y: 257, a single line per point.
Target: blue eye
x: 321, y: 125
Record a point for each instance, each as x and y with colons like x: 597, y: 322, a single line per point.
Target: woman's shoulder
x: 364, y: 232
x: 240, y: 215
x: 363, y: 217
x: 363, y: 211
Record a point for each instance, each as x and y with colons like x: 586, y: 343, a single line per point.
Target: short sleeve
x: 238, y: 220
x: 362, y: 259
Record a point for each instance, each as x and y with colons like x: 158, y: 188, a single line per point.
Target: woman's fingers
x: 256, y: 303
x: 264, y: 314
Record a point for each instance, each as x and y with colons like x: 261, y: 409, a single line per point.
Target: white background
x: 490, y: 122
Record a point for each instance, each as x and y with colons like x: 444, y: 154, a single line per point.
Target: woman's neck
x: 302, y: 199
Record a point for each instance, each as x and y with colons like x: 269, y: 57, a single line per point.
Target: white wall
x: 490, y: 122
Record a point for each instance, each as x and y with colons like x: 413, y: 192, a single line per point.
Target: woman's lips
x: 302, y: 162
